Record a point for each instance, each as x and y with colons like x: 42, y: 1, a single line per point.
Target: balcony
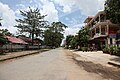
x: 96, y: 24
x: 98, y: 35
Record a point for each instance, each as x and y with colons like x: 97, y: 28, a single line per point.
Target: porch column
x: 107, y: 31
x: 100, y: 29
x: 99, y: 18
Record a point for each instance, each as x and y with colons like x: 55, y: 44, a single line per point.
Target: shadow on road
x: 106, y: 72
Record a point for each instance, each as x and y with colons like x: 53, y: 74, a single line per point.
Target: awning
x: 15, y: 40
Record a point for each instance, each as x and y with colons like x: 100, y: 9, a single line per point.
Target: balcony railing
x: 97, y: 35
x: 97, y: 23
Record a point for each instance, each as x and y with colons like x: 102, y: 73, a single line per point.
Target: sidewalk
x: 13, y: 55
x: 99, y: 58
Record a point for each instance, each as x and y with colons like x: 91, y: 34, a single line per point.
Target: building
x: 102, y: 31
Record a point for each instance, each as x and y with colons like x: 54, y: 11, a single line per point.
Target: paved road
x: 50, y: 65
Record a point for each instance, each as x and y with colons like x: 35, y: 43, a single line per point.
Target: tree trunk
x: 32, y: 38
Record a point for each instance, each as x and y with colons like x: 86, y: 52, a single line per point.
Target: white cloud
x: 87, y: 7
x: 67, y: 4
x: 67, y: 9
x: 46, y: 8
x: 49, y: 9
x: 73, y: 30
x: 90, y: 7
x: 8, y: 16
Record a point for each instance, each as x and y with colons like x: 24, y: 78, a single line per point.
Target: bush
x: 113, y: 50
x: 84, y: 49
x: 106, y: 50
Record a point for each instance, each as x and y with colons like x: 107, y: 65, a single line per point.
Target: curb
x: 13, y: 57
x: 18, y: 56
x: 116, y: 64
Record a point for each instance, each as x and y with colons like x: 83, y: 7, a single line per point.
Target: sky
x: 70, y: 12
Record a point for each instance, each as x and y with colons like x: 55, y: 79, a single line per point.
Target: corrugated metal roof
x: 15, y: 40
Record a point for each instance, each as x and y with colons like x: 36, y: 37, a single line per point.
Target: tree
x: 54, y: 34
x: 83, y: 37
x: 68, y: 40
x: 58, y: 27
x: 112, y: 9
x: 32, y: 22
x: 2, y: 39
x: 74, y: 42
x: 5, y: 32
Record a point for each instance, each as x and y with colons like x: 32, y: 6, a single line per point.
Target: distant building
x: 102, y: 31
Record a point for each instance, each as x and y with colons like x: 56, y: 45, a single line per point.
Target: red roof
x: 88, y: 19
x: 26, y: 39
x: 15, y: 40
x: 90, y: 16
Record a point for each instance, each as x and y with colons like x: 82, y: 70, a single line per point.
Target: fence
x: 15, y: 47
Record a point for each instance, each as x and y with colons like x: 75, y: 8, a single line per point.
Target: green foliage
x: 33, y: 22
x: 5, y: 32
x: 113, y: 50
x: 3, y: 40
x: 84, y: 49
x: 73, y: 42
x: 68, y: 40
x: 54, y: 34
x: 83, y: 37
x: 106, y: 50
x: 112, y: 9
x: 79, y: 40
x: 58, y: 27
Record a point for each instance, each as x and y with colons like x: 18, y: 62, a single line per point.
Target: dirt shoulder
x: 108, y: 73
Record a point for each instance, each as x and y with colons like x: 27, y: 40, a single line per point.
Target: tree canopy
x: 54, y: 34
x: 32, y: 22
x: 112, y: 9
x: 81, y: 39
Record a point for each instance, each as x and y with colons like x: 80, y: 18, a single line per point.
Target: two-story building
x: 102, y: 31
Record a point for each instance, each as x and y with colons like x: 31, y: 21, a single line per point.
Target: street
x: 50, y: 65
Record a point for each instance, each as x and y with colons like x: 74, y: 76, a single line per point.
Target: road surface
x: 50, y: 65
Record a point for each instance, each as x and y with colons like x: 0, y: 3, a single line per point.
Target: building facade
x: 102, y: 31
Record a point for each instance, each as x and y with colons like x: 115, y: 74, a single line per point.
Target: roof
x: 99, y: 13
x: 88, y: 19
x: 15, y: 40
x: 26, y: 39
